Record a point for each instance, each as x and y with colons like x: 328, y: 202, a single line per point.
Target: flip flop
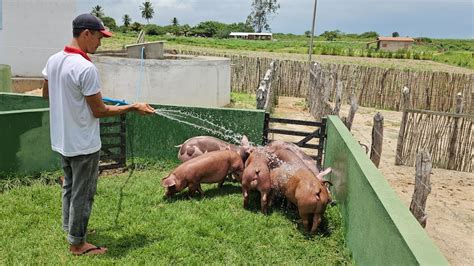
x: 90, y: 251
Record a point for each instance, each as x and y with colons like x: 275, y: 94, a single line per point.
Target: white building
x: 252, y: 35
x: 33, y: 30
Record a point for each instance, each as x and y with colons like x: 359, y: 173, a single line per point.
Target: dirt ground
x: 450, y: 205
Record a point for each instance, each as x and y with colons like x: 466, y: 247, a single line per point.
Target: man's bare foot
x: 86, y: 249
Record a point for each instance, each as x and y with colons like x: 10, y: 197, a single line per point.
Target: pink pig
x: 211, y: 167
x: 197, y: 146
x: 302, y: 189
x: 257, y: 176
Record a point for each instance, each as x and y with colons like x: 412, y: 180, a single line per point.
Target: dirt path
x: 450, y: 205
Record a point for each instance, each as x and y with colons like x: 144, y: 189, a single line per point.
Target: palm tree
x: 147, y: 11
x: 97, y: 11
x: 126, y: 20
x: 174, y: 22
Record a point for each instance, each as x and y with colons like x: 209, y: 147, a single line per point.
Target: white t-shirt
x: 74, y: 129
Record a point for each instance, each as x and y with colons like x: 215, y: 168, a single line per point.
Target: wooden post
x: 422, y: 186
x: 454, y: 136
x: 377, y: 139
x: 404, y: 104
x: 354, y: 106
x: 337, y: 106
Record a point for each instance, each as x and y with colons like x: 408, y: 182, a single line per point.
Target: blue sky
x: 431, y: 18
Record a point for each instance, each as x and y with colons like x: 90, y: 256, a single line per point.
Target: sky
x: 414, y: 18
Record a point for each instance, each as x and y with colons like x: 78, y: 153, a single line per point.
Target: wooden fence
x: 448, y: 137
x: 373, y: 86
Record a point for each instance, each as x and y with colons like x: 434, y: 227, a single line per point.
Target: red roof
x: 396, y: 39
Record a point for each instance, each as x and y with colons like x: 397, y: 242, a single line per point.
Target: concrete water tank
x: 151, y: 50
x: 176, y: 79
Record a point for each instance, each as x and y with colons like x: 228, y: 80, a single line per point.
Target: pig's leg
x: 264, y: 202
x: 305, y: 217
x: 245, y: 193
x: 316, y: 222
x: 271, y: 196
x: 192, y: 189
x: 199, y: 189
x: 221, y: 183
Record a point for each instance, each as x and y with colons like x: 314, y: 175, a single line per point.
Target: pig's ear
x: 244, y: 141
x: 168, y: 181
x: 327, y: 183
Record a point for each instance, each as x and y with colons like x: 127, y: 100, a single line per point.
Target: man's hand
x: 144, y: 109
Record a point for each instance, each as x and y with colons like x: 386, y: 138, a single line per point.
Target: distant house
x: 392, y: 43
x: 252, y: 35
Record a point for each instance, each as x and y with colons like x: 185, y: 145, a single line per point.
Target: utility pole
x: 312, y: 31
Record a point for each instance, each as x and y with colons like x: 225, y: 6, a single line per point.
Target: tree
x: 307, y: 33
x: 97, y: 11
x: 368, y: 35
x: 395, y: 34
x: 109, y: 23
x: 174, y: 22
x: 147, y: 11
x: 332, y: 35
x: 261, y: 12
x: 126, y: 20
x: 185, y: 30
x: 136, y: 26
x: 208, y: 28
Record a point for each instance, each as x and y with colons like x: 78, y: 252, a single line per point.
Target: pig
x: 306, y: 159
x: 300, y: 186
x: 197, y: 146
x: 211, y: 167
x: 289, y: 152
x: 256, y: 176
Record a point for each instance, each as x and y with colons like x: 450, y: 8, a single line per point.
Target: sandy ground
x: 450, y: 205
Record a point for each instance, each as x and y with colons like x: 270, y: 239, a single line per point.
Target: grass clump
x: 139, y: 226
x: 242, y: 100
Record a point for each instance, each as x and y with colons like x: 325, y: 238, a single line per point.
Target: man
x: 73, y: 88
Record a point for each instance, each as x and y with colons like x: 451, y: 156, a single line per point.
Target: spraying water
x: 202, y: 124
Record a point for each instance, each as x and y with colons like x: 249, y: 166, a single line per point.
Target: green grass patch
x: 242, y: 100
x: 139, y: 226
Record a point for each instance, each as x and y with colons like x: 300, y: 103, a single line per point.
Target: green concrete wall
x: 380, y: 230
x: 155, y: 137
x: 5, y: 78
x: 25, y: 138
x: 25, y: 142
x: 16, y: 101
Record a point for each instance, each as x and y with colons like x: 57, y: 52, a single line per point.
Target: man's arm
x: 45, y: 89
x: 99, y: 109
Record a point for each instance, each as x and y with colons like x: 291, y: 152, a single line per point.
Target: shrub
x: 350, y: 52
x: 136, y: 26
x: 152, y: 29
x: 109, y: 23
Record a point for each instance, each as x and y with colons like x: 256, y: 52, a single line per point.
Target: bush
x: 109, y: 23
x: 369, y: 35
x: 350, y: 52
x: 152, y: 29
x: 136, y: 27
x: 423, y: 40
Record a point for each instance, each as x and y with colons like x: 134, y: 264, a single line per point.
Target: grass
x: 140, y: 227
x: 448, y: 51
x: 242, y: 100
